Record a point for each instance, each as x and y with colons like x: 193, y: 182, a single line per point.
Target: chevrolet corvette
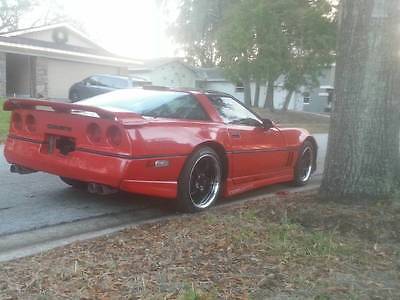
x: 192, y: 146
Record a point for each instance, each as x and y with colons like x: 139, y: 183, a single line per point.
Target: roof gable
x: 58, y: 34
x: 42, y: 41
x: 158, y: 63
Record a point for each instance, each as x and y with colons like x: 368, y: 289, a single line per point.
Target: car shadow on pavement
x: 120, y: 199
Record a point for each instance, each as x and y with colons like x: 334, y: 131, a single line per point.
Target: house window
x: 306, y: 98
x: 331, y: 92
x: 239, y: 87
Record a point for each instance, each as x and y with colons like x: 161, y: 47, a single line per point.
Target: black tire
x: 304, y: 165
x: 74, y: 183
x: 200, y: 182
x: 74, y: 96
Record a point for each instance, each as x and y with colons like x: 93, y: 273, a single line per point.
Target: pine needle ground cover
x: 292, y: 246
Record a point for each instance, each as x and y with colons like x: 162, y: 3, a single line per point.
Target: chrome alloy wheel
x: 204, y: 181
x: 306, y: 164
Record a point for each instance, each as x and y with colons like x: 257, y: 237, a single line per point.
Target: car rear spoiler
x: 125, y: 118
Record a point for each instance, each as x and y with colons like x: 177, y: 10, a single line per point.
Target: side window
x: 233, y: 112
x: 104, y: 81
x: 118, y: 83
x: 184, y: 107
x: 93, y: 80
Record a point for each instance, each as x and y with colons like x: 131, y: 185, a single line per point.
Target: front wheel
x: 304, y: 166
x: 74, y: 96
x: 200, y: 182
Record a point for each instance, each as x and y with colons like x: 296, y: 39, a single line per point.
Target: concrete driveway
x: 39, y: 202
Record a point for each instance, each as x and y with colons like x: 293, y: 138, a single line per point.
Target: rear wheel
x: 74, y: 183
x: 200, y: 183
x: 304, y: 166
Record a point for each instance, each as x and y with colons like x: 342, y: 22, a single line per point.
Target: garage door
x: 62, y: 74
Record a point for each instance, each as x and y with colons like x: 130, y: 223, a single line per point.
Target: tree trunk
x: 269, y: 100
x: 257, y: 94
x: 363, y: 148
x: 288, y: 98
x: 247, y: 92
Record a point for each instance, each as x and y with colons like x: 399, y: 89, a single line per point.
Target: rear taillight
x: 94, y: 133
x: 30, y: 123
x: 114, y: 136
x: 17, y: 122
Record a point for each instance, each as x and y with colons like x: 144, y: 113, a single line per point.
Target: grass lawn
x: 289, y: 247
x: 312, y: 122
x: 4, y: 121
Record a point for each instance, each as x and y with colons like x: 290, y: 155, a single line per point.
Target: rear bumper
x: 129, y: 175
x: 77, y: 165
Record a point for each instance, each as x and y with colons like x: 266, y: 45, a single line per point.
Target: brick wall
x: 2, y: 74
x: 41, y: 77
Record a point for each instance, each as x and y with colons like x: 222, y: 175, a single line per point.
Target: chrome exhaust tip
x: 92, y: 188
x: 101, y: 189
x: 21, y: 170
x: 13, y: 169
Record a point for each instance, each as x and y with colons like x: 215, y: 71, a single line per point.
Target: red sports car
x: 186, y: 145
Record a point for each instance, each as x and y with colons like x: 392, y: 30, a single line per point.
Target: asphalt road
x: 37, y: 201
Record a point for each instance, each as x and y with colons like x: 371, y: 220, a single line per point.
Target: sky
x: 132, y: 28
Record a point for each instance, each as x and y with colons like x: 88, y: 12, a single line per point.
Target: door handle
x: 235, y: 135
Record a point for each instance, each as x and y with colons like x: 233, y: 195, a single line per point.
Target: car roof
x: 112, y: 76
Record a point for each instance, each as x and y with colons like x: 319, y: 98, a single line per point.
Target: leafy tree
x: 363, y: 149
x: 236, y: 45
x: 311, y: 27
x: 296, y: 39
x: 11, y: 12
x: 272, y: 43
x: 15, y: 14
x: 261, y: 40
x: 251, y: 46
x: 196, y: 27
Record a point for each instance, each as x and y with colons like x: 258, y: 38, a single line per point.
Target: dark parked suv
x: 100, y: 84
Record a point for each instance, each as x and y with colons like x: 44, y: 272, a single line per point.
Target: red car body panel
x: 253, y: 156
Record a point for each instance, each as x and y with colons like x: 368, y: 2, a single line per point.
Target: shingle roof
x: 66, y: 47
x: 205, y: 74
x: 17, y: 39
x: 157, y: 62
x: 34, y: 28
x: 151, y: 64
x: 64, y: 25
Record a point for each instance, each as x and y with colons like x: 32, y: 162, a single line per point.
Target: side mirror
x: 268, y: 124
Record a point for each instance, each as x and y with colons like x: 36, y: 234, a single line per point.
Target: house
x: 214, y: 79
x: 175, y: 72
x: 320, y: 99
x: 170, y: 72
x: 45, y: 61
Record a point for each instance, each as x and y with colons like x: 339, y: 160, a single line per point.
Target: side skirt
x: 232, y: 189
